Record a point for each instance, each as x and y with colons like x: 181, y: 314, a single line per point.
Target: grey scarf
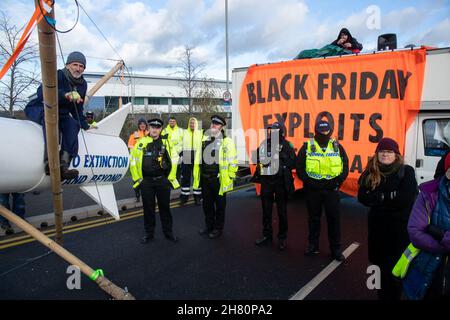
x: 73, y: 81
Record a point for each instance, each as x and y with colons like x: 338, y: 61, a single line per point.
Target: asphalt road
x: 73, y: 197
x: 230, y: 267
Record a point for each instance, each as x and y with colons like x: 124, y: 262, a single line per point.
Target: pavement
x: 195, y: 268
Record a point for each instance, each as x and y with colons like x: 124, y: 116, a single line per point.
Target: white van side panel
x: 436, y: 85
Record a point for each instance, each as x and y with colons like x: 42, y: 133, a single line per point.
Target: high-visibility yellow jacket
x: 228, y: 165
x: 135, y: 136
x: 401, y: 267
x: 136, y: 161
x: 175, y: 136
x: 192, y: 139
x: 323, y: 164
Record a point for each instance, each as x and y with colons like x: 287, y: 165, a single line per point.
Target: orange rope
x: 34, y: 20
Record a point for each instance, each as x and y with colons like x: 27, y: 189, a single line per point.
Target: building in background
x: 156, y: 94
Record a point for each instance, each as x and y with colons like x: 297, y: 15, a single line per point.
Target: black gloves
x: 436, y: 232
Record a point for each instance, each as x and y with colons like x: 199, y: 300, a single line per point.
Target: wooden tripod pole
x: 104, y: 283
x: 47, y: 53
x: 102, y: 81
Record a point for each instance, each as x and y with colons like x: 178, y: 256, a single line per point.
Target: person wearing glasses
x: 389, y: 188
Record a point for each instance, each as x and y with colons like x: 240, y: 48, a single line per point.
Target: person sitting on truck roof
x: 346, y: 41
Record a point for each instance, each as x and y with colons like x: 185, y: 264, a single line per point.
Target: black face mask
x: 322, y: 139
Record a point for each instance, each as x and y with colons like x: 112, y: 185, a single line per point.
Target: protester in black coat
x: 389, y: 188
x: 346, y: 41
x: 275, y: 161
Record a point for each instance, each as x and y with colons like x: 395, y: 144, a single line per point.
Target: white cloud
x: 150, y: 36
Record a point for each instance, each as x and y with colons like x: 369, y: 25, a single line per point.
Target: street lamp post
x: 226, y: 41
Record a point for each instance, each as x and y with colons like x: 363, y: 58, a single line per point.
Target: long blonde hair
x: 371, y: 177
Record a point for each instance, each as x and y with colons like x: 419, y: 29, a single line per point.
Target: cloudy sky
x: 151, y: 35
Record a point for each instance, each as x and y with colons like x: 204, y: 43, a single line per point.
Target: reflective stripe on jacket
x: 228, y: 165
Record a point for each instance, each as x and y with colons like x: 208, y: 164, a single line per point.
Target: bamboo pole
x: 104, y: 283
x: 102, y: 81
x: 121, y: 87
x: 47, y: 53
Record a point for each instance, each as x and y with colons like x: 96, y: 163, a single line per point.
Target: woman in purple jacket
x: 429, y: 231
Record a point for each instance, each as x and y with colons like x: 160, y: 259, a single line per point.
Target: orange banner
x: 365, y: 98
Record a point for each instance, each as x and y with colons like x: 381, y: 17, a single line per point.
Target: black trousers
x: 315, y: 200
x: 274, y: 189
x: 391, y: 288
x: 159, y: 189
x: 213, y: 204
x: 186, y: 177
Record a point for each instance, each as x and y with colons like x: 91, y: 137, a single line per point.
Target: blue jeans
x: 18, y: 204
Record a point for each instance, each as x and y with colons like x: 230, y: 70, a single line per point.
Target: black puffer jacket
x: 355, y: 44
x: 390, y: 205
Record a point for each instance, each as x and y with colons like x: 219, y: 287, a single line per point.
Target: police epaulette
x: 164, y: 136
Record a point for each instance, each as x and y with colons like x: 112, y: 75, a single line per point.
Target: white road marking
x: 310, y: 286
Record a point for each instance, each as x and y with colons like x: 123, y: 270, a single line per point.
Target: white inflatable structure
x: 102, y: 160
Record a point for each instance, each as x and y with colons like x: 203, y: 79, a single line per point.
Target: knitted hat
x: 76, y: 57
x: 387, y: 144
x: 141, y: 120
x: 447, y: 162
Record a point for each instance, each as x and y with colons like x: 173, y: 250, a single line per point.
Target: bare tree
x: 22, y: 77
x: 190, y: 73
x: 205, y: 96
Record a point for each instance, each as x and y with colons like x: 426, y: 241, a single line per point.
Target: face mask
x: 321, y: 138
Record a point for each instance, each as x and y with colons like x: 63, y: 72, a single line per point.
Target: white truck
x: 427, y: 139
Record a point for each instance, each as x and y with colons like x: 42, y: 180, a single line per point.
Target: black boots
x: 337, y: 255
x: 312, y: 250
x: 264, y: 241
x: 146, y: 238
x: 65, y: 158
x: 67, y: 174
x: 215, y: 234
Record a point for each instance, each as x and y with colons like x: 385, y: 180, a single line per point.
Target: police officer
x: 275, y: 161
x: 152, y: 171
x: 322, y: 165
x: 215, y: 173
x: 90, y: 119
